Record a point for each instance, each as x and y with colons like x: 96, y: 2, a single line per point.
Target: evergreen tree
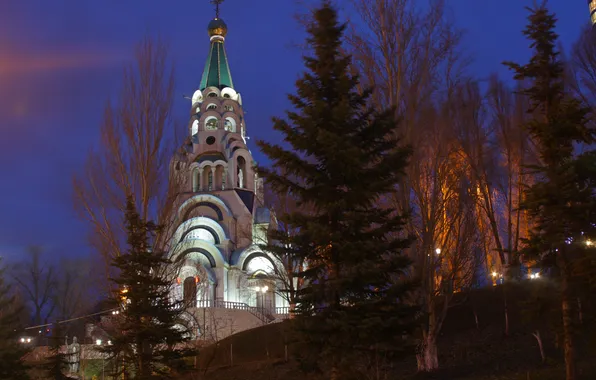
x: 561, y: 202
x: 345, y: 160
x: 57, y: 363
x: 148, y: 339
x: 12, y: 351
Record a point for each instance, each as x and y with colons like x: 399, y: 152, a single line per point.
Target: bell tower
x: 221, y: 160
x: 220, y: 223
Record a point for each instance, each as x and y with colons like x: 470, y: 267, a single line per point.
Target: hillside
x: 467, y: 350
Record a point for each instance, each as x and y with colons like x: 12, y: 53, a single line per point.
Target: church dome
x: 217, y: 27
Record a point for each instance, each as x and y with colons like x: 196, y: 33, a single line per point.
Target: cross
x: 216, y: 3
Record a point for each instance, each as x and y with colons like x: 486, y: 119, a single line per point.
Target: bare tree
x: 37, y: 279
x: 74, y: 289
x: 497, y: 149
x: 133, y: 154
x: 445, y: 251
x: 289, y: 265
x: 411, y: 56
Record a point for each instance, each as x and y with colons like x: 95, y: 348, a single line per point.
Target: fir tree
x: 57, y: 363
x: 148, y: 339
x: 12, y: 351
x: 561, y: 202
x: 345, y: 160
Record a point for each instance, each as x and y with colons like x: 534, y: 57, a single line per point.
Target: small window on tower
x: 213, y: 95
x: 211, y: 124
x: 229, y: 108
x: 226, y: 95
x: 230, y: 124
x: 212, y: 106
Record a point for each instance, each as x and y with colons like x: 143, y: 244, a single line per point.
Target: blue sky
x: 61, y: 60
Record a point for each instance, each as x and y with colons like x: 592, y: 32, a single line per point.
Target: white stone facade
x: 221, y: 220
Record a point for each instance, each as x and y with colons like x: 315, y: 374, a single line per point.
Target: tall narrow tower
x: 221, y: 222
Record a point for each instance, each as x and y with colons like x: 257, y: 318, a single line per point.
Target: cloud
x: 14, y: 64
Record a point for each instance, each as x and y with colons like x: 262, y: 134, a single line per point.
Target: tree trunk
x: 568, y: 347
x: 506, y: 310
x: 427, y: 357
x: 540, y: 346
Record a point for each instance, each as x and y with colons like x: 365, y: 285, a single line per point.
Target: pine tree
x: 12, y: 351
x: 345, y: 160
x: 561, y: 203
x: 148, y: 340
x: 57, y: 362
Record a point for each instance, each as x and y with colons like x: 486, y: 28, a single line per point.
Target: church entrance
x: 190, y: 292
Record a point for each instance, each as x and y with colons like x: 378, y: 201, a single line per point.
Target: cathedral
x: 221, y: 220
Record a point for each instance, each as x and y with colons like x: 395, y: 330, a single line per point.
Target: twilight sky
x: 60, y: 60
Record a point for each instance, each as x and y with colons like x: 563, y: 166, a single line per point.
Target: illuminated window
x: 196, y: 179
x: 195, y: 128
x: 211, y: 124
x: 259, y: 264
x: 200, y: 234
x: 230, y: 124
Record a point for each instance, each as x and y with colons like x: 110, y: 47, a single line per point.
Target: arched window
x: 241, y: 172
x: 230, y: 124
x: 229, y: 108
x: 259, y: 265
x: 210, y: 180
x: 213, y: 95
x: 212, y: 106
x: 200, y: 234
x: 196, y: 180
x: 211, y: 123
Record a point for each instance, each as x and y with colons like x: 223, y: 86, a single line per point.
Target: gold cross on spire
x: 216, y: 3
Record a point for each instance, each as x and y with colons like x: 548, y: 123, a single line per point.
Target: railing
x: 282, y: 310
x: 261, y: 313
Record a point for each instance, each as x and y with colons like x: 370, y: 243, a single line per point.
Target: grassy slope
x: 466, y: 352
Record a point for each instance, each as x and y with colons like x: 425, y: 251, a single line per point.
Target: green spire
x: 217, y: 71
